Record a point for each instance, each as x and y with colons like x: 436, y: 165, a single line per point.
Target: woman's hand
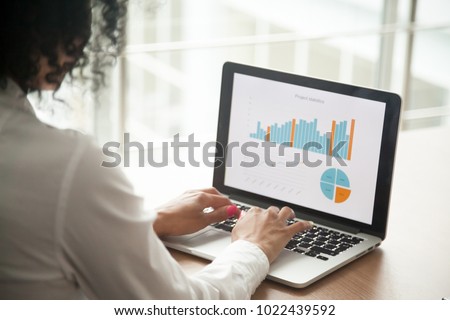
x: 268, y: 229
x: 185, y: 214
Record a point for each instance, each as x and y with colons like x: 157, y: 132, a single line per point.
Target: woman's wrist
x: 160, y: 226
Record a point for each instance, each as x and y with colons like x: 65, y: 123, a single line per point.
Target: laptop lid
x: 325, y: 149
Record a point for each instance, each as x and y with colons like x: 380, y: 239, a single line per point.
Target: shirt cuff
x: 247, y: 247
x: 249, y: 262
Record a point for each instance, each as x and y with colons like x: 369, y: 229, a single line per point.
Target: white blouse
x: 70, y: 228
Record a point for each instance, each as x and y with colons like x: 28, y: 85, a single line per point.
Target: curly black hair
x: 91, y: 31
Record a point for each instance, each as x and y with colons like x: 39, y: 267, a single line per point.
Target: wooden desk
x: 414, y: 261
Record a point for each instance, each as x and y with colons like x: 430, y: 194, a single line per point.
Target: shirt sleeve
x: 106, y: 244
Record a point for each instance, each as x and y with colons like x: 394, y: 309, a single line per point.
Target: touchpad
x: 210, y: 242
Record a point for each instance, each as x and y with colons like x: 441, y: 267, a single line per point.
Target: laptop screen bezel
x: 387, y: 152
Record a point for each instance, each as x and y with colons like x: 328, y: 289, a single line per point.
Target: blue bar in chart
x: 299, y: 133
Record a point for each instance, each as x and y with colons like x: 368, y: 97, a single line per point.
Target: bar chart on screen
x: 303, y: 134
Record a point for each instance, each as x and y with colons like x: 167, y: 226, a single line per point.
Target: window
x: 169, y: 75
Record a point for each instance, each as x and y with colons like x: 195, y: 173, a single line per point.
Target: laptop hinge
x: 253, y: 202
x: 321, y: 221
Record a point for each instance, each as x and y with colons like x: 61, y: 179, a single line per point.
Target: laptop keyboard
x: 317, y: 242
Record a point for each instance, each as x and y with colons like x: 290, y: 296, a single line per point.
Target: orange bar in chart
x: 268, y: 134
x: 333, y: 128
x: 350, y: 143
x: 292, y: 133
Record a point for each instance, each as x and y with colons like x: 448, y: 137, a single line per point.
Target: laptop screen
x: 305, y: 146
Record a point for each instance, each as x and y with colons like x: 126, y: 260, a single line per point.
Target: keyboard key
x: 323, y: 234
x: 311, y: 253
x: 347, y: 240
x: 292, y: 243
x: 299, y: 250
x: 323, y: 250
x: 357, y: 240
x: 304, y: 245
x: 340, y: 249
x: 224, y: 227
x: 322, y: 258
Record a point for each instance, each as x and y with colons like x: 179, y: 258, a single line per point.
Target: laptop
x: 323, y: 148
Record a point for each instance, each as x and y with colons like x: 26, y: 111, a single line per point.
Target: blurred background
x: 169, y: 75
x: 168, y: 79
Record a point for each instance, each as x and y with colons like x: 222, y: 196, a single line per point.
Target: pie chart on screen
x: 335, y: 185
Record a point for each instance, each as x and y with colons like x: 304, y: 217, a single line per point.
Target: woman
x: 70, y: 228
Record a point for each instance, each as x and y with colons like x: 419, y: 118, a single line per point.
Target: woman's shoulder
x: 57, y: 139
x: 54, y: 146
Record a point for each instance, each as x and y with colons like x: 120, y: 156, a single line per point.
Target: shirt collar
x: 13, y: 96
